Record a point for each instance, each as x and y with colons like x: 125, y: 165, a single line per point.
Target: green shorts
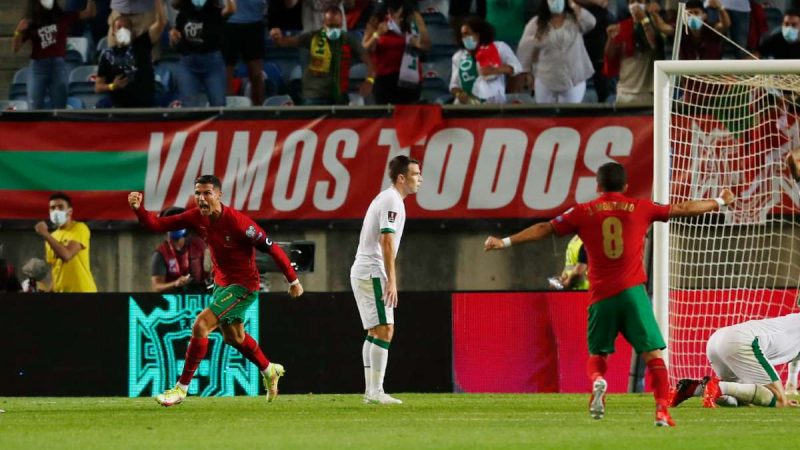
x: 629, y: 313
x: 229, y: 303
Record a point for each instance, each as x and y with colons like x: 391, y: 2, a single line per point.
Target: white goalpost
x: 719, y: 124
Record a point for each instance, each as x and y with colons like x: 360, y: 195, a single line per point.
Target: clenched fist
x: 135, y: 200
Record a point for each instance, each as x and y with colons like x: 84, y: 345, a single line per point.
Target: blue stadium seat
x: 774, y: 19
x: 520, y: 99
x: 434, y: 18
x: 279, y: 100
x: 94, y: 101
x: 19, y: 85
x: 434, y: 88
x: 102, y: 45
x: 75, y: 103
x: 81, y: 81
x: 440, y: 68
x: 237, y: 101
x: 13, y: 105
x: 358, y: 73
x: 79, y: 45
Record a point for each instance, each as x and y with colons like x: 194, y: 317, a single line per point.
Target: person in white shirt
x: 743, y: 357
x: 552, y: 50
x: 373, y: 276
x: 481, y: 67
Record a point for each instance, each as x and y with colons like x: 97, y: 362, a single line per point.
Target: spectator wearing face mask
x: 67, y: 248
x: 178, y: 263
x: 125, y: 71
x: 480, y: 68
x: 46, y: 25
x: 394, y: 36
x: 552, y: 50
x: 198, y: 37
x: 784, y: 44
x: 326, y: 78
x: 701, y: 42
x: 633, y: 45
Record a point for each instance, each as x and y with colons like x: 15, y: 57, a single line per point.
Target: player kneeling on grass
x: 743, y: 357
x: 232, y: 238
x: 613, y: 228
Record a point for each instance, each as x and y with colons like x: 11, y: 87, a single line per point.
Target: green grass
x: 437, y: 421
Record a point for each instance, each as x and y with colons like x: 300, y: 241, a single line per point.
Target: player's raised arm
x: 533, y: 233
x: 698, y: 207
x: 154, y: 223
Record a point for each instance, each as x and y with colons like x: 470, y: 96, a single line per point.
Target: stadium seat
x: 520, y: 99
x: 80, y: 45
x: 13, y: 105
x: 433, y: 17
x: 440, y: 68
x: 358, y: 73
x: 102, y: 45
x: 238, y: 101
x: 295, y: 86
x: 433, y: 88
x: 19, y: 85
x: 81, y: 81
x: 93, y: 101
x: 75, y: 103
x: 441, y: 35
x: 279, y: 100
x: 355, y: 99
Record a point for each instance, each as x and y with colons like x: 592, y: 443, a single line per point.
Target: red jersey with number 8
x: 613, y: 228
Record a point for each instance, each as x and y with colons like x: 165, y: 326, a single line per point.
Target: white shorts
x: 369, y: 299
x: 736, y: 356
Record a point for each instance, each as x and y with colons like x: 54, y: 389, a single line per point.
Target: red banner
x: 327, y: 168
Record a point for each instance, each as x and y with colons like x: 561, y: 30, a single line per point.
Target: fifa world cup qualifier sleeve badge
x: 391, y: 215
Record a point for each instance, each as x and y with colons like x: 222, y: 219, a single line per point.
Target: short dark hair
x: 61, y: 196
x: 209, y: 179
x: 399, y: 166
x: 792, y: 12
x: 695, y: 4
x: 332, y: 8
x: 611, y: 177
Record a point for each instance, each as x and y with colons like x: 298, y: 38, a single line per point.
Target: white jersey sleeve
x: 389, y: 213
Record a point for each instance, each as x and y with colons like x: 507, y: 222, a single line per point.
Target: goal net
x: 724, y: 124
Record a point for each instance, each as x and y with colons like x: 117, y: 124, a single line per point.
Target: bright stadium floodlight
x: 724, y: 124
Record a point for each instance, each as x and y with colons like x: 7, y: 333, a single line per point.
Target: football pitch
x: 436, y: 421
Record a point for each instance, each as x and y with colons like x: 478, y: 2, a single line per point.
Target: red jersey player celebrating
x: 232, y: 238
x: 613, y: 228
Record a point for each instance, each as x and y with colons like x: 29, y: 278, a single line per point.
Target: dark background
x: 77, y: 344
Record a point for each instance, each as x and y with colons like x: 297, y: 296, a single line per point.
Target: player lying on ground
x: 613, y: 228
x: 232, y: 238
x: 743, y: 357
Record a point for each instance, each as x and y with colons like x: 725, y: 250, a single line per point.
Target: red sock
x: 659, y: 380
x: 596, y: 367
x: 249, y: 348
x: 194, y: 354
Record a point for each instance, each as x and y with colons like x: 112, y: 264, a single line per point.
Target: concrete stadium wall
x: 437, y: 259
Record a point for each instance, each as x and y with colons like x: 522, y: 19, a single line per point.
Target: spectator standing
x: 125, y: 71
x: 739, y: 13
x: 595, y: 42
x: 326, y: 78
x: 142, y: 14
x: 552, y: 50
x: 178, y: 263
x: 244, y: 36
x: 46, y: 25
x: 394, y: 36
x: 480, y: 68
x: 701, y: 42
x: 633, y: 45
x: 67, y: 248
x: 198, y: 36
x: 784, y: 44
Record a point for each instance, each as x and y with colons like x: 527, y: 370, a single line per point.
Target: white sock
x: 794, y: 370
x: 185, y: 387
x: 748, y: 393
x: 379, y: 357
x: 365, y: 356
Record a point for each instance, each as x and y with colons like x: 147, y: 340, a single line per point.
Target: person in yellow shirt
x: 67, y: 248
x: 576, y: 266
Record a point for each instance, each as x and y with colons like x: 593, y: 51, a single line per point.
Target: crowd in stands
x: 195, y: 53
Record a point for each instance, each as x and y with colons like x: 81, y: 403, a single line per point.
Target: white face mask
x: 58, y: 217
x: 634, y: 6
x: 123, y: 37
x: 333, y: 33
x: 47, y: 4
